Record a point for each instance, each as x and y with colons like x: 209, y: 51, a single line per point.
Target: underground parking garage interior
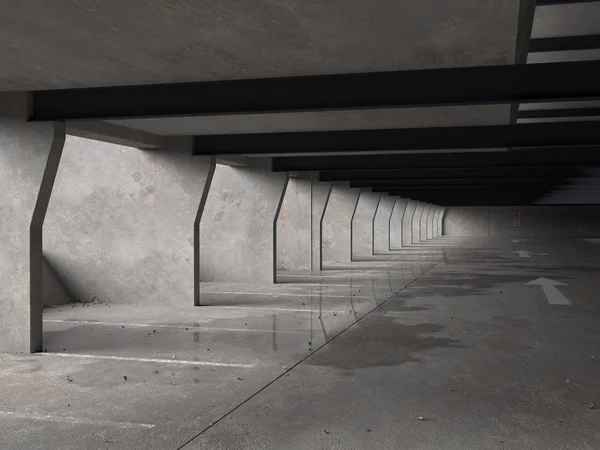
x: 300, y: 225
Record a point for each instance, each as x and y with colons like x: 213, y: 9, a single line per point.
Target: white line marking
x: 150, y: 360
x: 76, y: 420
x: 185, y: 327
x: 286, y: 294
x: 283, y: 309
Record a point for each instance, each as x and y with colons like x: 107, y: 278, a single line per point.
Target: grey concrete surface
x: 294, y: 226
x: 441, y: 231
x: 336, y: 226
x: 29, y: 158
x: 238, y: 227
x: 436, y: 216
x: 396, y: 220
x: 430, y: 221
x: 416, y: 223
x: 320, y: 193
x: 423, y: 222
x: 362, y: 223
x: 458, y: 353
x: 122, y: 222
x: 407, y: 223
x: 108, y: 42
x: 381, y: 225
x: 558, y: 221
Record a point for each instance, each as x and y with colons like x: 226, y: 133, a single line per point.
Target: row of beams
x: 473, y: 182
x: 547, y: 157
x: 565, y: 43
x: 414, y: 88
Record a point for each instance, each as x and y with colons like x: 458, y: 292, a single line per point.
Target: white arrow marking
x: 523, y: 253
x: 520, y: 240
x: 554, y: 296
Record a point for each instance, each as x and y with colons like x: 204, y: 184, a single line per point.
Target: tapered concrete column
x: 238, y: 228
x: 436, y: 221
x: 416, y: 223
x: 362, y: 223
x: 294, y: 227
x: 122, y: 225
x: 29, y: 159
x: 407, y: 223
x: 396, y: 219
x: 430, y: 222
x: 423, y: 226
x: 319, y: 200
x: 381, y: 225
x: 441, y: 221
x: 337, y: 235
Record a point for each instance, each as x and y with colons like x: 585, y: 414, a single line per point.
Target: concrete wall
x: 436, y: 215
x: 294, y: 227
x: 430, y: 222
x: 336, y: 226
x: 29, y: 158
x: 362, y: 223
x: 381, y: 225
x: 423, y: 222
x: 441, y: 216
x: 542, y: 221
x: 319, y: 200
x: 416, y: 223
x: 238, y: 227
x: 407, y: 223
x: 121, y: 223
x: 396, y: 220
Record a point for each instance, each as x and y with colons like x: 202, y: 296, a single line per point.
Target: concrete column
x: 337, y: 233
x: 319, y: 200
x: 294, y: 227
x: 436, y: 221
x: 396, y: 223
x: 416, y: 223
x: 441, y: 221
x: 381, y: 225
x: 407, y: 223
x: 238, y: 228
x: 29, y: 159
x: 430, y: 216
x: 423, y: 220
x: 123, y: 223
x: 362, y: 223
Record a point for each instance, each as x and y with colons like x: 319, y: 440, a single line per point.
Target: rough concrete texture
x: 319, y: 199
x: 416, y: 223
x: 362, y: 223
x: 294, y: 226
x: 441, y: 221
x: 29, y: 158
x: 238, y: 227
x: 549, y: 221
x: 381, y: 225
x: 121, y: 224
x: 396, y: 220
x: 423, y: 222
x: 407, y: 223
x: 430, y: 222
x: 114, y: 42
x: 337, y: 239
x: 436, y: 216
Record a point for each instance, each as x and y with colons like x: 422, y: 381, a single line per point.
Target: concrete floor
x: 350, y: 358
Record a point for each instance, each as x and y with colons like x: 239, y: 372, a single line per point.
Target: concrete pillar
x: 430, y: 216
x: 362, y: 223
x: 436, y: 222
x: 396, y: 219
x: 441, y: 221
x: 407, y: 223
x: 319, y: 200
x: 122, y: 224
x: 423, y: 225
x: 294, y: 227
x: 29, y: 159
x: 416, y: 223
x: 337, y: 234
x: 381, y: 225
x: 238, y: 228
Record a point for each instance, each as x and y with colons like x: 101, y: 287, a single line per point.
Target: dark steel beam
x: 473, y: 182
x: 563, y: 2
x: 565, y: 43
x: 415, y: 88
x: 567, y: 157
x: 559, y: 113
x: 482, y: 137
x: 450, y: 173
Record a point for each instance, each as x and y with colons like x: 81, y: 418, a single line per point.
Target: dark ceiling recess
x: 566, y: 43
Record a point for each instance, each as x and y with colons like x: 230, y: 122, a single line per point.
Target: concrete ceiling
x: 74, y: 43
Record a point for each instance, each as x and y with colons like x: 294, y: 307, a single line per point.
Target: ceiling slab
x: 566, y: 20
